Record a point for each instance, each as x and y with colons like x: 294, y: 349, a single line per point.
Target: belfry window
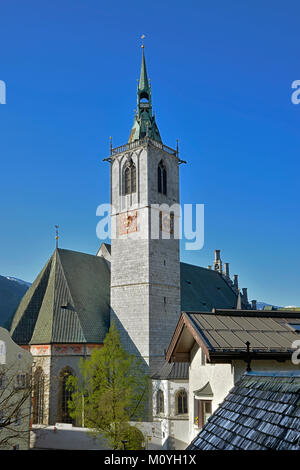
x: 133, y: 178
x: 130, y: 178
x: 161, y: 179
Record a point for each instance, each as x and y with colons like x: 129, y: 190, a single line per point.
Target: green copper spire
x: 143, y: 83
x: 144, y: 120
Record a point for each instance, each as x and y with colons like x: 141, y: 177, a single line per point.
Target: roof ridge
x: 59, y: 250
x: 278, y: 374
x: 197, y: 266
x: 52, y: 273
x: 26, y: 302
x: 69, y: 291
x: 250, y: 313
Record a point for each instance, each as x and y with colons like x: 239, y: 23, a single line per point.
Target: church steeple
x: 144, y: 121
x: 143, y: 83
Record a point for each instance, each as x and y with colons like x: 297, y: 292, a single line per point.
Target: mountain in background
x: 262, y: 305
x: 11, y: 292
x: 13, y: 289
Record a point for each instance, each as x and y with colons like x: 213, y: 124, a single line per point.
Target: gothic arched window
x: 161, y: 179
x: 65, y: 396
x: 133, y: 178
x: 181, y: 402
x: 127, y: 180
x: 160, y: 402
x: 130, y: 178
x: 38, y: 396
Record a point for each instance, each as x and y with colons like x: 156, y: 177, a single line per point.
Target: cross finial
x: 56, y: 235
x: 142, y: 38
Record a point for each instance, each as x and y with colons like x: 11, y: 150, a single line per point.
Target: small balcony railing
x: 138, y: 143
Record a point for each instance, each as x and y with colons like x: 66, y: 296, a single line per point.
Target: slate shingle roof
x: 174, y: 370
x: 69, y: 300
x: 262, y: 412
x: 67, y: 303
x: 203, y: 289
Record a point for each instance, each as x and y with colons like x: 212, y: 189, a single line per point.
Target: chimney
x: 236, y: 281
x: 209, y: 266
x: 227, y: 270
x: 218, y: 262
x: 239, y: 301
x: 245, y: 295
x: 254, y: 306
x: 217, y: 256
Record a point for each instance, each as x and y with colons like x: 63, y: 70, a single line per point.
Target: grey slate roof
x: 174, y: 370
x: 262, y: 412
x: 67, y: 303
x: 69, y: 300
x: 203, y: 289
x: 228, y: 331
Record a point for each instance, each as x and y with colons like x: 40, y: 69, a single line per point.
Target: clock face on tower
x: 128, y: 222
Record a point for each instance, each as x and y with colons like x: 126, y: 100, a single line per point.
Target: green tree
x: 111, y: 391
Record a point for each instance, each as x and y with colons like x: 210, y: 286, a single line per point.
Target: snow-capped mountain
x: 261, y: 305
x: 28, y: 284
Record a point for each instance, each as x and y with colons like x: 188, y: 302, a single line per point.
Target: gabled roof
x: 172, y: 371
x: 69, y: 300
x: 262, y: 412
x: 223, y: 334
x: 67, y: 303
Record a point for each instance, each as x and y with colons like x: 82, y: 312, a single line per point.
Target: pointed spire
x: 144, y: 120
x: 143, y: 83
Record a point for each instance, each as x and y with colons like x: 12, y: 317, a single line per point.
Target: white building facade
x: 15, y: 394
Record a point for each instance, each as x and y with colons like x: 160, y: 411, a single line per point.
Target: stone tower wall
x: 145, y: 272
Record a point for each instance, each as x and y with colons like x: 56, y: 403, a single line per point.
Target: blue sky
x: 221, y: 82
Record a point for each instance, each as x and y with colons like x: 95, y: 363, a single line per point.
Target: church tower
x: 145, y: 263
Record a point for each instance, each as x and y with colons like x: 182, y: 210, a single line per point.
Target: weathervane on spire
x: 142, y: 38
x: 56, y: 235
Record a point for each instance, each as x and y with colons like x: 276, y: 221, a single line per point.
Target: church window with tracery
x: 130, y: 178
x: 38, y: 396
x: 65, y: 396
x: 181, y: 402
